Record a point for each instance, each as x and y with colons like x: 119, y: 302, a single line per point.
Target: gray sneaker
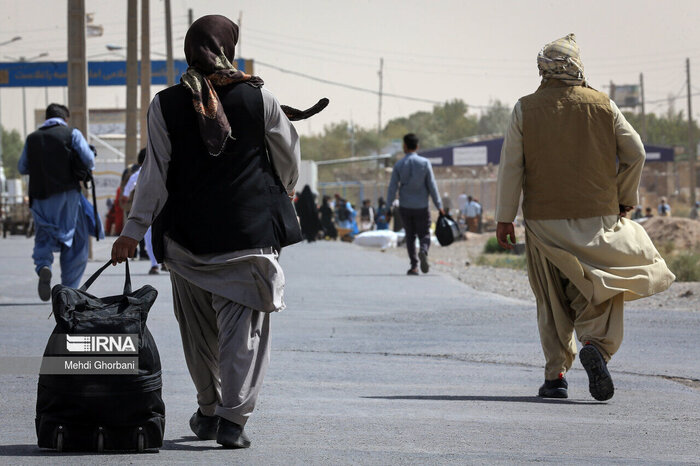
x: 45, y: 283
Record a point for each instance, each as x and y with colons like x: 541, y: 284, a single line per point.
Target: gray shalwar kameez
x: 222, y: 301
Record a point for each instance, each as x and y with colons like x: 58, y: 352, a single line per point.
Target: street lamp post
x: 24, y: 89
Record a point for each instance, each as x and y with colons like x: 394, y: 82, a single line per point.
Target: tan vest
x: 570, y: 153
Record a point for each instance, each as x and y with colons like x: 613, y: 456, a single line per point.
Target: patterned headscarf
x: 209, y: 49
x: 561, y: 60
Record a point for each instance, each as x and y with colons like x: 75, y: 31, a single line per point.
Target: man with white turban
x: 578, y: 163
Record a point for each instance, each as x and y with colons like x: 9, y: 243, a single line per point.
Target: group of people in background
x: 664, y: 210
x: 336, y: 217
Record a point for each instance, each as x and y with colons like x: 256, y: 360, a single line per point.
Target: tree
x: 670, y: 129
x: 445, y: 124
x: 496, y: 118
x: 12, y: 146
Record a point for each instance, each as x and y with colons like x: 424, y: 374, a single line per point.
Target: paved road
x: 371, y: 366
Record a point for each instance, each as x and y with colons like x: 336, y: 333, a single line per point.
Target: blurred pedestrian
x: 637, y: 214
x: 127, y: 200
x: 695, y: 211
x: 343, y: 212
x: 366, y: 216
x: 446, y: 202
x: 664, y: 209
x: 308, y: 215
x: 50, y: 157
x: 382, y: 215
x: 479, y: 216
x: 327, y: 219
x: 129, y: 192
x: 471, y: 214
x: 413, y: 178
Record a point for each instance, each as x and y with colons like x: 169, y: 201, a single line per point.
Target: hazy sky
x: 436, y: 50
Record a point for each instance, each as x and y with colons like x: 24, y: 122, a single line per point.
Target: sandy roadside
x: 459, y: 258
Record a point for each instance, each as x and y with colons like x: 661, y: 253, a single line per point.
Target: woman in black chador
x: 308, y: 215
x: 327, y: 215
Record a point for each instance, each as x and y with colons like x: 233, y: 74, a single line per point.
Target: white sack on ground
x: 377, y: 239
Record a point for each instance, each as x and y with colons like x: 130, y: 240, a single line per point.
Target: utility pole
x: 352, y: 138
x: 2, y: 169
x: 240, y: 35
x: 24, y: 111
x: 170, y: 66
x: 145, y: 69
x: 190, y: 16
x: 132, y: 111
x: 77, y: 67
x: 381, y: 91
x: 612, y: 91
x: 691, y: 138
x: 644, y: 115
x: 77, y: 72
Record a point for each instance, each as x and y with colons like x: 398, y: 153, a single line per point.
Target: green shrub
x: 492, y: 247
x: 686, y: 266
x: 509, y: 261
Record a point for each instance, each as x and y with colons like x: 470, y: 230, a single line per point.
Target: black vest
x: 231, y: 202
x: 49, y: 152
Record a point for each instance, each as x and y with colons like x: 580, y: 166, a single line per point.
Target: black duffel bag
x: 446, y: 230
x: 84, y: 408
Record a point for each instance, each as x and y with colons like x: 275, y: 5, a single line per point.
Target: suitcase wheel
x: 140, y: 441
x: 59, y: 439
x: 100, y: 441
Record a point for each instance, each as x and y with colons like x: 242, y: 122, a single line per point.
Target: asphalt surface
x: 370, y: 366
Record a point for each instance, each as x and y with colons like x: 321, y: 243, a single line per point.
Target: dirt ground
x: 683, y: 233
x: 459, y: 258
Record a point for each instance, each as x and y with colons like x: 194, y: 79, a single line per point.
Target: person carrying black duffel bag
x: 446, y: 230
x: 100, y: 381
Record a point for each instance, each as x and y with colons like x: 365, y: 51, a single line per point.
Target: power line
x: 631, y: 59
x: 678, y: 96
x: 355, y: 88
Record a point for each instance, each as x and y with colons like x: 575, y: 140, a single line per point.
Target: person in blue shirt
x: 413, y: 178
x: 55, y: 198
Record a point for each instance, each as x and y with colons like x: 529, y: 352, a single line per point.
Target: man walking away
x: 49, y: 157
x: 219, y: 201
x: 414, y: 179
x: 578, y: 163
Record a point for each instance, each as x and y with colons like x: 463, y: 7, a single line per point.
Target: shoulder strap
x: 91, y: 280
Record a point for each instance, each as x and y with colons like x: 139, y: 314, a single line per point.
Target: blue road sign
x: 100, y: 73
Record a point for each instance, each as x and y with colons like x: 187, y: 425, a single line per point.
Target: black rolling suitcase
x: 100, y: 381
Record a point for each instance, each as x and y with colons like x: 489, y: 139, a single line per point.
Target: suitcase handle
x: 91, y: 280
